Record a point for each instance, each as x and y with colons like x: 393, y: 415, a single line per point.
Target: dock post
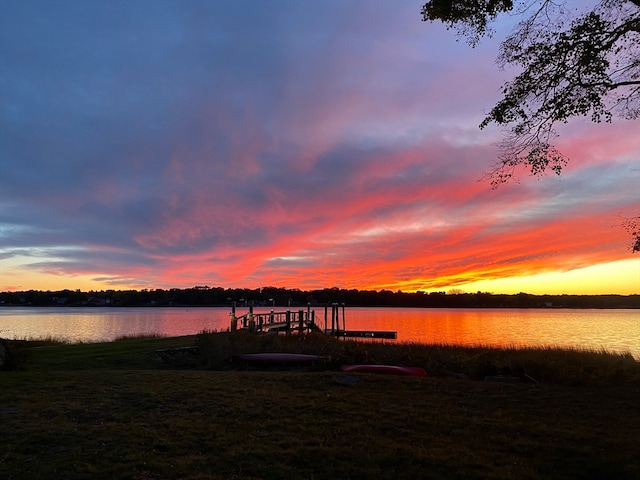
x: 344, y: 322
x: 335, y: 323
x: 252, y: 322
x: 271, y: 317
x: 325, y: 317
x: 333, y: 319
x: 300, y: 321
x: 234, y: 320
x: 288, y: 320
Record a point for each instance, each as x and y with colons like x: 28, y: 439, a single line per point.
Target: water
x: 611, y: 330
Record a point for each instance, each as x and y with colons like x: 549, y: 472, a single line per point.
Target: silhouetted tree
x: 572, y: 65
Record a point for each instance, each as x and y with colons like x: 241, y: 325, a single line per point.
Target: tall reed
x: 543, y: 364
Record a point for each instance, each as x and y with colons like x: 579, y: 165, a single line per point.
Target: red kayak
x: 388, y: 369
x: 277, y: 358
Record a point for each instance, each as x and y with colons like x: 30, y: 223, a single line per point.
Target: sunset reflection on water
x: 615, y: 330
x: 612, y: 330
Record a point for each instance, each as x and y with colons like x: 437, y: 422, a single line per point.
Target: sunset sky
x: 298, y: 144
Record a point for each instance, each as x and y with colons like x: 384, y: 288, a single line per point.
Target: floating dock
x: 365, y: 334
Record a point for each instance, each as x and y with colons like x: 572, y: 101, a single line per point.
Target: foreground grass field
x: 112, y: 411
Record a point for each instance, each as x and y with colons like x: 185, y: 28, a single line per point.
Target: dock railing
x: 285, y: 321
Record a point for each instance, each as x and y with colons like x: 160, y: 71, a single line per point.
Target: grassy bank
x: 544, y: 365
x: 113, y: 411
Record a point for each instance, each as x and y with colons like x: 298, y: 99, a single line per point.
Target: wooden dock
x: 302, y: 321
x: 287, y: 321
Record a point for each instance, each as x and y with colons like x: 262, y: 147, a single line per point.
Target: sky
x: 243, y: 143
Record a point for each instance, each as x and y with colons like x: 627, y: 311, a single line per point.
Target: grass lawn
x: 109, y: 411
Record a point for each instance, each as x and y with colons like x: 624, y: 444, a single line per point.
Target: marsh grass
x: 139, y: 336
x: 109, y: 411
x: 216, y: 349
x: 40, y: 341
x: 543, y: 365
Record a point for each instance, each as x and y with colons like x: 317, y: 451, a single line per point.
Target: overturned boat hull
x: 277, y: 358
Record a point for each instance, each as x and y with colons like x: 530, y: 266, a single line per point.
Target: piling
x: 234, y: 320
x: 250, y: 319
x: 288, y: 320
x: 325, y: 317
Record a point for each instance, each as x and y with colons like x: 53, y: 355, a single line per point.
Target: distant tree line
x: 282, y: 297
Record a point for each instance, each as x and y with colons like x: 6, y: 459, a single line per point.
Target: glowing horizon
x: 250, y: 147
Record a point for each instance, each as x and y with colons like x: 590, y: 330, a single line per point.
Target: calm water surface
x: 613, y: 330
